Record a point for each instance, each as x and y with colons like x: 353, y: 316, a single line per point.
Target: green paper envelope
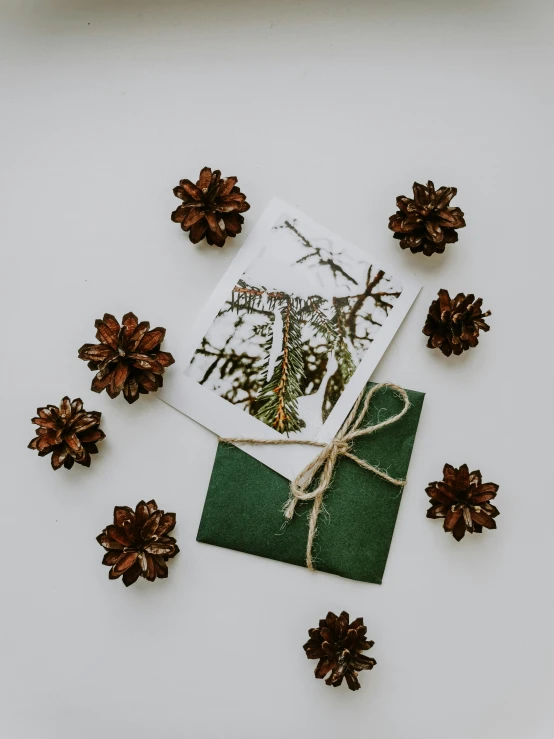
x: 245, y: 499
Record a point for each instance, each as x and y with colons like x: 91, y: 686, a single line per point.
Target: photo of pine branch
x: 294, y: 329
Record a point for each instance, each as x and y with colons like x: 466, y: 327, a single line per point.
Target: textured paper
x: 275, y: 257
x: 243, y: 508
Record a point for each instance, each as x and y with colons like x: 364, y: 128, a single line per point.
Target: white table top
x: 336, y: 108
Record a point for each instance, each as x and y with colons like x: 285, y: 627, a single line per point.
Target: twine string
x: 321, y: 468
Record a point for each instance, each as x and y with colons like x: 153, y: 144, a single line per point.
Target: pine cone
x: 137, y: 544
x: 212, y: 208
x: 426, y: 223
x: 462, y: 499
x: 69, y: 433
x: 339, y: 647
x: 128, y: 357
x: 454, y: 325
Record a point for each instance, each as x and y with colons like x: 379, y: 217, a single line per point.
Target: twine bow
x: 322, y: 466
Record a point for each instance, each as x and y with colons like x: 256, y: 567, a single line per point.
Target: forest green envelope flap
x: 245, y: 499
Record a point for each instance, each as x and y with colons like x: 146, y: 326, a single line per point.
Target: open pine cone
x: 426, y: 223
x: 128, y: 357
x: 68, y: 433
x: 463, y: 500
x: 453, y: 325
x: 137, y: 544
x: 338, y: 646
x: 211, y: 209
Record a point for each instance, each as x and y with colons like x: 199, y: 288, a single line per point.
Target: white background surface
x: 337, y: 108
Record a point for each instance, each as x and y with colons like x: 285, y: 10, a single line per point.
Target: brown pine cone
x: 211, y: 209
x: 128, y: 357
x: 426, y: 223
x: 338, y: 646
x: 137, y: 544
x: 463, y: 500
x: 453, y: 325
x: 69, y: 433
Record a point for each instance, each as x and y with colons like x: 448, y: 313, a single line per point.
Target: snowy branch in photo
x: 286, y: 357
x: 318, y: 254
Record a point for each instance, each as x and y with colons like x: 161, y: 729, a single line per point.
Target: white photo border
x: 225, y: 419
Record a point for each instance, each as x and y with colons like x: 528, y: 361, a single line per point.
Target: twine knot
x: 314, y: 480
x: 341, y: 447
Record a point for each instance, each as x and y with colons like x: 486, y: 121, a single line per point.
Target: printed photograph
x: 294, y: 328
